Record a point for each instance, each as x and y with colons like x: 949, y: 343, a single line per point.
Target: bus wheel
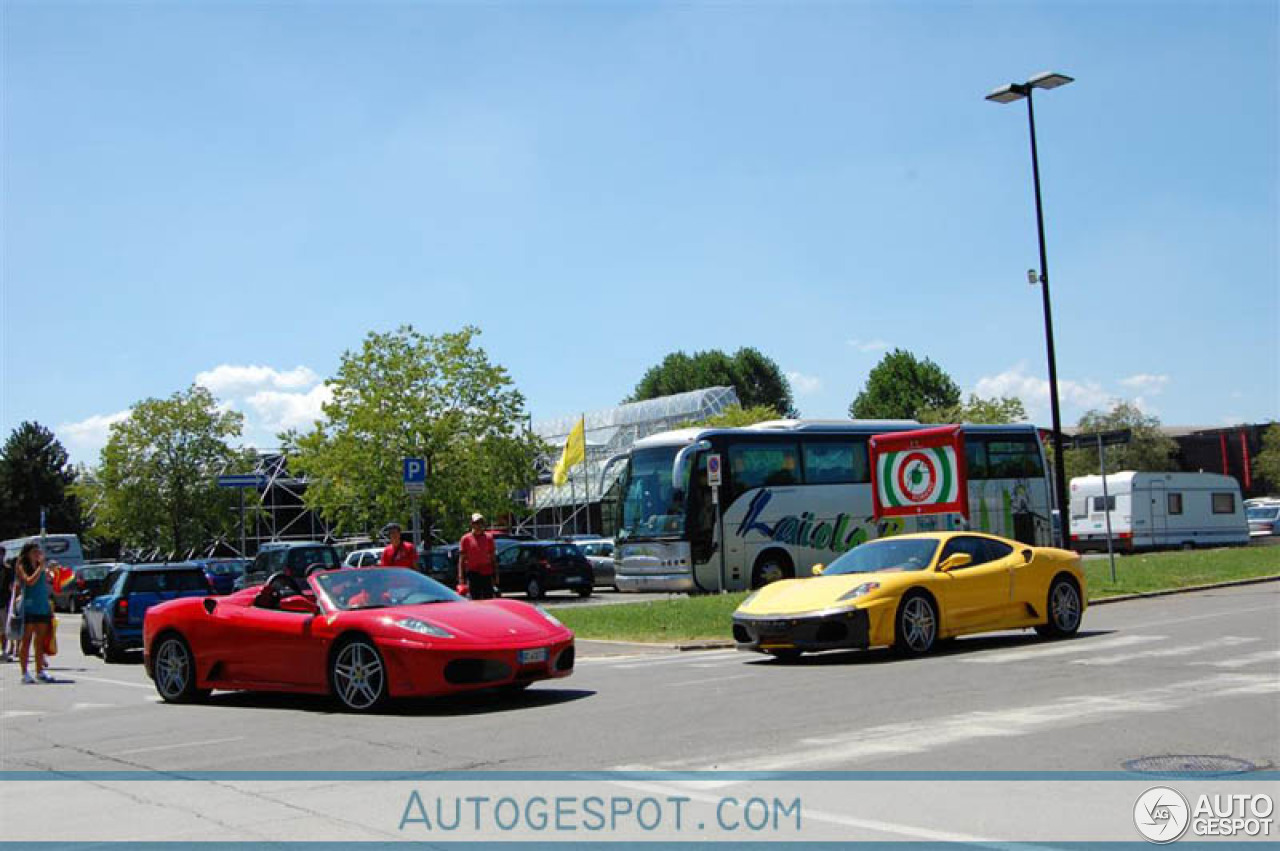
x: 771, y: 567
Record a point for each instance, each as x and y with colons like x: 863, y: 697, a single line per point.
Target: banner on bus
x: 919, y: 472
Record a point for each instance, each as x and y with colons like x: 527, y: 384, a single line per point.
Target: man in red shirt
x: 399, y: 553
x: 476, y: 564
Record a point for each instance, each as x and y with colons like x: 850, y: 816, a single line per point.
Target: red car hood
x: 487, y: 621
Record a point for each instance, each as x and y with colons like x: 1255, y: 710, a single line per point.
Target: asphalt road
x: 1189, y: 674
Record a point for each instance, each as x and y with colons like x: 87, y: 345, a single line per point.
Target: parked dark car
x: 112, y: 622
x: 440, y: 563
x: 536, y: 567
x: 223, y: 572
x: 91, y: 580
x: 292, y: 558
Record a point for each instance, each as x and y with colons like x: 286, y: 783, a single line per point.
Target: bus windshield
x: 649, y: 508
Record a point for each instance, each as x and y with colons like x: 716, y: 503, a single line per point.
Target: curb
x: 706, y: 644
x: 1142, y: 595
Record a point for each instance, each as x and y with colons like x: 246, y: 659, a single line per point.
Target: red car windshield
x: 380, y: 588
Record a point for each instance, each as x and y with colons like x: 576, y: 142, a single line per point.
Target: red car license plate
x: 529, y: 657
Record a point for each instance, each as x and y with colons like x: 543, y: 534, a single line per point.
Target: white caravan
x: 1155, y: 510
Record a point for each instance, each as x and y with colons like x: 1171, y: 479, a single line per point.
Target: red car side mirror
x: 298, y: 603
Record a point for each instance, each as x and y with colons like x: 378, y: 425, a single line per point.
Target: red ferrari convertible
x: 361, y: 635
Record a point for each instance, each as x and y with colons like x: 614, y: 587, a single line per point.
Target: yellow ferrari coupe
x: 910, y: 591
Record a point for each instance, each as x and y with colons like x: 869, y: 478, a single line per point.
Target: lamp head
x: 1049, y: 80
x: 1007, y: 94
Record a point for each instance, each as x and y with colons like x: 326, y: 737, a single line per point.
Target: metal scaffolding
x: 555, y: 511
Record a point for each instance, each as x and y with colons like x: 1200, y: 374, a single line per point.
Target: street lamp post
x: 1009, y: 94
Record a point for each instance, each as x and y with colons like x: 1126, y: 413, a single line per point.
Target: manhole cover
x: 1189, y: 765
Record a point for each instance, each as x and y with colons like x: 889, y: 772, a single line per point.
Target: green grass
x: 664, y: 621
x: 708, y: 616
x: 1161, y: 571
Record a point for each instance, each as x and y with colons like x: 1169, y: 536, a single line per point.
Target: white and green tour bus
x: 796, y: 493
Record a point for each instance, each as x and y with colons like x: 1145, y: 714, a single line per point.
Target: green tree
x: 402, y: 395
x: 158, y: 474
x: 993, y: 411
x: 757, y: 379
x: 34, y: 474
x: 1266, y: 465
x: 904, y: 387
x: 1149, y: 450
x: 735, y: 416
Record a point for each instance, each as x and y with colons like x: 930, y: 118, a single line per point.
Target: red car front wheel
x: 358, y: 676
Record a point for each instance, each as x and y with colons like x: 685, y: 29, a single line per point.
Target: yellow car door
x: 977, y: 595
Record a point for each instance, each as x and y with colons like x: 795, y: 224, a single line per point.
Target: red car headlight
x: 421, y: 627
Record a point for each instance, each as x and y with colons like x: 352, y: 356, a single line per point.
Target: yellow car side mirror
x: 954, y: 561
x: 818, y: 568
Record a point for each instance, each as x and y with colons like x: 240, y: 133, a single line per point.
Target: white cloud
x: 804, y: 385
x: 275, y: 411
x: 85, y: 439
x: 240, y: 381
x: 1142, y: 383
x: 1034, y: 391
x: 869, y: 345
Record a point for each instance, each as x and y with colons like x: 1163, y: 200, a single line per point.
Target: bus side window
x: 1013, y: 458
x: 763, y: 464
x: 835, y: 463
x: 975, y: 458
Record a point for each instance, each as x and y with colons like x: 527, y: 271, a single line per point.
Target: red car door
x: 273, y: 647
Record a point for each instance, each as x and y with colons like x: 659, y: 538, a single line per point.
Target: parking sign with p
x: 415, y: 475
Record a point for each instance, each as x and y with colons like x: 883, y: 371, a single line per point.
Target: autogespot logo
x: 1161, y: 814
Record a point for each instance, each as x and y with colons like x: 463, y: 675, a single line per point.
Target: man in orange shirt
x: 398, y: 553
x: 477, y: 567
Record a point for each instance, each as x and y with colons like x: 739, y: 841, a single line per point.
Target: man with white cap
x: 477, y: 566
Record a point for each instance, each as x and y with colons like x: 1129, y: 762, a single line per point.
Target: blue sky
x: 236, y: 193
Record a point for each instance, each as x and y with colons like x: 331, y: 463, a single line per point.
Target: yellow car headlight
x: 861, y: 591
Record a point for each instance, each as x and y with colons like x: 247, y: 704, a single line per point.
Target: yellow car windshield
x: 885, y: 555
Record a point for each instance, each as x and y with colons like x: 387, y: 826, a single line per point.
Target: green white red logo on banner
x: 919, y: 472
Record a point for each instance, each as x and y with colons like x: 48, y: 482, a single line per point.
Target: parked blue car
x: 113, y: 620
x: 223, y: 572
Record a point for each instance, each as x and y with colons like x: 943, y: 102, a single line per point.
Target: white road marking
x: 18, y: 713
x: 1227, y: 614
x: 701, y: 657
x: 1166, y: 652
x: 1245, y: 661
x: 76, y: 707
x: 931, y: 735
x: 1061, y: 648
x: 153, y: 748
x: 114, y: 682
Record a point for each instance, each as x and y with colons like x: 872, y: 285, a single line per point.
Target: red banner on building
x: 919, y: 472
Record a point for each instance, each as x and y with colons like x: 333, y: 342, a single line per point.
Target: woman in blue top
x: 37, y: 610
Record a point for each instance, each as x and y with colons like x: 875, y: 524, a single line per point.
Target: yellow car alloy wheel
x: 917, y: 625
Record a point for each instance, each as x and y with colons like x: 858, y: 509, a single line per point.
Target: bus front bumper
x: 655, y: 582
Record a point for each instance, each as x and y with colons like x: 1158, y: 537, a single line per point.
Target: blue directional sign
x: 415, y: 475
x: 246, y: 481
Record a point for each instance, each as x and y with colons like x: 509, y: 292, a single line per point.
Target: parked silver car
x: 600, y: 553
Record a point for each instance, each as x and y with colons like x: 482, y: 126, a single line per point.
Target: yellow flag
x: 575, y: 452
